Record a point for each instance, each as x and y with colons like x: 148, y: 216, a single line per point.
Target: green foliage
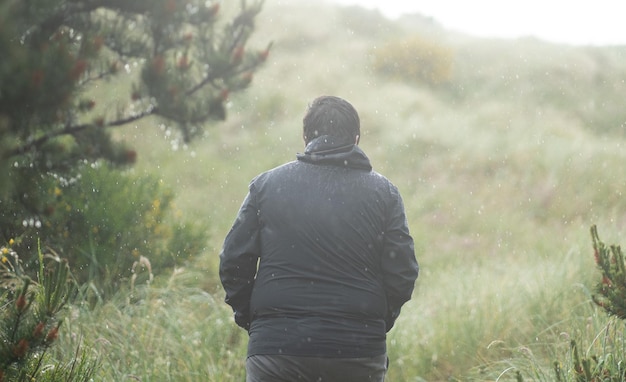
x: 106, y: 219
x: 611, y: 290
x: 30, y: 317
x: 415, y: 60
x: 607, y: 367
x: 604, y: 359
x: 582, y: 84
x: 610, y: 295
x: 178, y: 61
x: 173, y: 331
x: 59, y: 50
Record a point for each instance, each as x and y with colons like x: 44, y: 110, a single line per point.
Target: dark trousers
x: 284, y: 368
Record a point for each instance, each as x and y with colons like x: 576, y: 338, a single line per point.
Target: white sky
x: 579, y: 22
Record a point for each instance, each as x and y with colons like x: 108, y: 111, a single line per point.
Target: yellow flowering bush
x: 416, y: 60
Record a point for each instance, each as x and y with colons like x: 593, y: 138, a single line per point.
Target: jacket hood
x: 323, y: 150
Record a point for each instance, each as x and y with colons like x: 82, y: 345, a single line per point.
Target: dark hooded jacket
x: 319, y: 260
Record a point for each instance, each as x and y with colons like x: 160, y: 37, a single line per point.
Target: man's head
x: 332, y: 116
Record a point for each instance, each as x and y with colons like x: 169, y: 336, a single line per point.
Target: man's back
x: 320, y: 275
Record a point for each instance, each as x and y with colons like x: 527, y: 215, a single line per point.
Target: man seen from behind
x: 320, y: 260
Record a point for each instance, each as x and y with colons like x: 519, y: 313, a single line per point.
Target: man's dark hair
x: 332, y: 116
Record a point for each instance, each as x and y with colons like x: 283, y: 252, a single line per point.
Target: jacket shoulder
x: 383, y: 181
x: 276, y: 171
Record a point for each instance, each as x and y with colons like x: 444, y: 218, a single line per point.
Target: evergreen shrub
x: 31, y: 313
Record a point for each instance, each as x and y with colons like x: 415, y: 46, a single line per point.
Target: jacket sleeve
x: 399, y: 265
x: 238, y: 261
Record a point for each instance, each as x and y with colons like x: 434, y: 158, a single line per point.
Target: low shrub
x: 416, y: 60
x: 104, y: 220
x: 603, y: 356
x: 31, y: 313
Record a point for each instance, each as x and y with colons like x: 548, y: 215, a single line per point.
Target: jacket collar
x: 324, y: 151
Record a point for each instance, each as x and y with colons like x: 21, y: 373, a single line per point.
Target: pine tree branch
x: 208, y: 79
x: 211, y: 77
x: 73, y: 129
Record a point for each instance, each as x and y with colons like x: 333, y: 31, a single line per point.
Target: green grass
x: 503, y: 170
x: 173, y: 331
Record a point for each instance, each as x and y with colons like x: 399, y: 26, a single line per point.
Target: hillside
x: 513, y: 129
x: 503, y: 166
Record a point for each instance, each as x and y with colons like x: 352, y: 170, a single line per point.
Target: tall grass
x: 169, y: 332
x: 502, y: 171
x: 477, y: 314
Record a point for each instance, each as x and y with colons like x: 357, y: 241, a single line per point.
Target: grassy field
x: 503, y: 168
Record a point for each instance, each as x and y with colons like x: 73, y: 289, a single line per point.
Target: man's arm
x: 399, y: 265
x: 238, y: 261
